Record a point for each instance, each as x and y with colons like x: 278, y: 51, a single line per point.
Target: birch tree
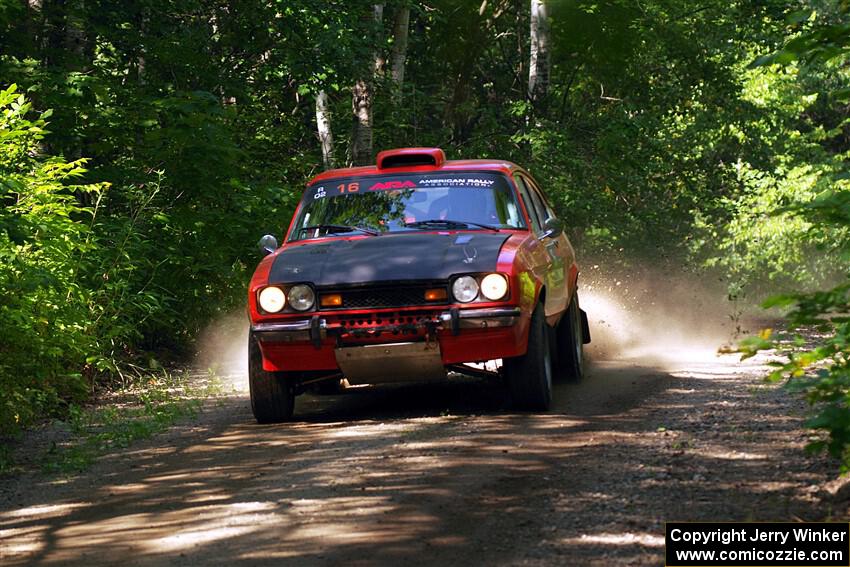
x: 323, y: 127
x: 539, y: 64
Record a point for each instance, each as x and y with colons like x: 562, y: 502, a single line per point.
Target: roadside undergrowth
x: 139, y: 409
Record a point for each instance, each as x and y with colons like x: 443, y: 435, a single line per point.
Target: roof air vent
x: 410, y: 157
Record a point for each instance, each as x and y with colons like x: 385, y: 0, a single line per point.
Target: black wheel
x: 272, y: 395
x: 570, y: 337
x: 530, y: 376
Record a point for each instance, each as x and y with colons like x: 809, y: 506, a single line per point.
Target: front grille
x: 375, y: 297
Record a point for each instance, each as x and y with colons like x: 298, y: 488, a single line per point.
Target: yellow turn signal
x: 331, y: 300
x: 436, y: 294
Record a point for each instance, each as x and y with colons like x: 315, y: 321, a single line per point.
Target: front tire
x: 272, y: 395
x: 530, y: 376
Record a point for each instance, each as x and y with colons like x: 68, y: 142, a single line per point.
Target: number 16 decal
x: 352, y: 188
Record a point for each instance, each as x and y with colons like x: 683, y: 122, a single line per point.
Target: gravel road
x: 438, y: 474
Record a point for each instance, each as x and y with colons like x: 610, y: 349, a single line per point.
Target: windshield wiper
x: 333, y: 228
x: 450, y: 223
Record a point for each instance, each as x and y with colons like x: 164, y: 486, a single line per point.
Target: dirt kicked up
x: 441, y: 474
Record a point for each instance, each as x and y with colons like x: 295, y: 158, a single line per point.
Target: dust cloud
x: 223, y: 350
x: 665, y: 316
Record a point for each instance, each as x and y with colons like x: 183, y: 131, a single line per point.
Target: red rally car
x: 410, y: 269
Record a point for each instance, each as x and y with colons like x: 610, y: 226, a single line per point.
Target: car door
x: 559, y: 254
x: 537, y: 255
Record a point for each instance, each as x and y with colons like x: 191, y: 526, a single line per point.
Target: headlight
x: 272, y: 299
x: 301, y: 297
x: 494, y: 287
x: 465, y: 289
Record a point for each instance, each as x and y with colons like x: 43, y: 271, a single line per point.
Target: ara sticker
x: 320, y: 193
x: 392, y: 185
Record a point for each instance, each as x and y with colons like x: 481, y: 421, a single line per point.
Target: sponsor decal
x: 457, y: 182
x: 392, y: 185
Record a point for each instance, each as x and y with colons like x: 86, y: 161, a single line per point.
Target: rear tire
x: 530, y: 376
x: 570, y: 338
x: 272, y: 395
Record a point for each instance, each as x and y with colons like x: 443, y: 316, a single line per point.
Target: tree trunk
x: 75, y: 35
x: 78, y: 60
x: 472, y: 32
x: 399, y: 52
x: 380, y: 62
x: 33, y: 26
x: 323, y: 127
x: 361, y: 106
x: 140, y: 57
x: 361, y: 102
x: 539, y: 64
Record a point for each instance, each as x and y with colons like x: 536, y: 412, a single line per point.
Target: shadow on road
x: 435, y: 474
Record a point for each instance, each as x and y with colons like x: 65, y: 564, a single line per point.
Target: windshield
x: 398, y: 203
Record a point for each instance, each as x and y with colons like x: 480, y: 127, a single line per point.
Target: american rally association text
x: 726, y: 536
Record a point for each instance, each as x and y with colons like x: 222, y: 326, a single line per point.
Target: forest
x: 146, y: 145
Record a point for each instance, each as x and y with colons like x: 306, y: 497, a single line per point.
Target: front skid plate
x: 396, y: 362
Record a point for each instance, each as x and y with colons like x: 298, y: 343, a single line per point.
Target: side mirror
x: 552, y: 227
x: 267, y: 244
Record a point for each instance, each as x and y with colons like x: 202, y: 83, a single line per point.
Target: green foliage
x: 820, y: 369
x: 89, y: 273
x: 149, y: 406
x: 45, y: 235
x: 200, y: 153
x: 827, y: 41
x: 766, y: 244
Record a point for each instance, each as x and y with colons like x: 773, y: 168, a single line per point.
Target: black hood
x: 389, y: 257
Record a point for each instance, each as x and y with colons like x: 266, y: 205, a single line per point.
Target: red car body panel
x: 534, y: 265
